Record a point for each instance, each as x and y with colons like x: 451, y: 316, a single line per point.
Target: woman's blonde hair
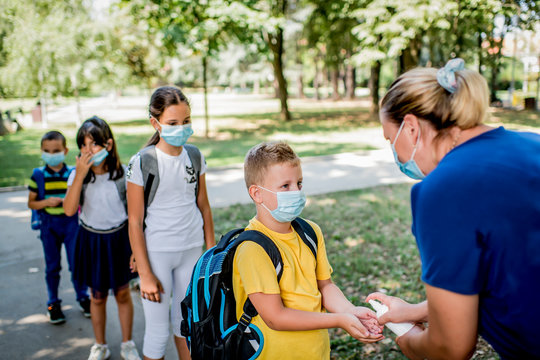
x: 417, y: 92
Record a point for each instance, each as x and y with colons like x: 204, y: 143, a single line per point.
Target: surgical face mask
x: 289, y: 205
x: 409, y: 168
x: 176, y: 135
x: 99, y: 157
x: 53, y: 159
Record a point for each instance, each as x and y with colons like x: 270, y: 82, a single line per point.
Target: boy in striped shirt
x: 48, y: 187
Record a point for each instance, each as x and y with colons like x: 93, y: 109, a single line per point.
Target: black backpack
x: 209, y: 308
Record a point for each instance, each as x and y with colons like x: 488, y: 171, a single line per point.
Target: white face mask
x: 289, y: 205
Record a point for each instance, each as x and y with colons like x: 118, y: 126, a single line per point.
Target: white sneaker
x: 99, y: 352
x: 128, y: 351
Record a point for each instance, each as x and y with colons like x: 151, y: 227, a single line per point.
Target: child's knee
x: 98, y: 301
x: 123, y: 296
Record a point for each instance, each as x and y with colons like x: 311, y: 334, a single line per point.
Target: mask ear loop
x: 264, y: 206
x: 417, y: 140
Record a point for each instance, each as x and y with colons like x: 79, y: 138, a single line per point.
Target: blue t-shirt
x: 476, y: 219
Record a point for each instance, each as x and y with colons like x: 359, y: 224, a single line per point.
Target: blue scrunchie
x: 446, y: 77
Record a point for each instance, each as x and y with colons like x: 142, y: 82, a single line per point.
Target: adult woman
x: 476, y: 217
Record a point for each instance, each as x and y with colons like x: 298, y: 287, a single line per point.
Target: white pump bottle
x: 397, y: 328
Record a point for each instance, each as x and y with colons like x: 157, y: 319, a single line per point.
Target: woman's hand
x: 399, y: 310
x: 151, y: 288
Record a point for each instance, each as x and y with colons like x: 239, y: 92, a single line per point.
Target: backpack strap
x: 39, y: 177
x: 150, y: 172
x: 249, y: 311
x: 194, y: 155
x: 307, y: 234
x: 121, y: 187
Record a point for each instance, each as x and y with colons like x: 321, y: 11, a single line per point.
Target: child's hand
x: 151, y: 288
x: 354, y: 327
x: 83, y: 163
x: 53, y: 201
x: 132, y: 264
x: 368, y: 318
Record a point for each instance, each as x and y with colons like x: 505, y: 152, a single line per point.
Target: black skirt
x: 102, y: 260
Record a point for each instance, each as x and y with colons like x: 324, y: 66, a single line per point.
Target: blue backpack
x: 209, y: 309
x: 39, y: 177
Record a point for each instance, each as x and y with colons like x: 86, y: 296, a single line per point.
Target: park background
x: 310, y: 72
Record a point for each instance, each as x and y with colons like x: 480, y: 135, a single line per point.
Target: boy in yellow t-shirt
x: 291, y: 315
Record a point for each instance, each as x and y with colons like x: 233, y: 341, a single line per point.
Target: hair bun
x: 446, y: 76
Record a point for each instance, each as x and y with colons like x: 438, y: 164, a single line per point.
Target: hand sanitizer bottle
x: 397, y: 328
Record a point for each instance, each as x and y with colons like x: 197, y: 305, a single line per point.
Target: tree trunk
x: 494, y: 73
x: 334, y: 74
x: 275, y: 42
x: 205, y: 86
x: 410, y: 56
x: 300, y: 86
x: 480, y: 56
x: 3, y: 129
x: 317, y: 79
x: 374, y: 84
x: 350, y: 83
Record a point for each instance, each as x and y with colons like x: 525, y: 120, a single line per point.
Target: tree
x: 330, y: 27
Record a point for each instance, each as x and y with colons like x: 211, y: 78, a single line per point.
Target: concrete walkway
x: 24, y: 330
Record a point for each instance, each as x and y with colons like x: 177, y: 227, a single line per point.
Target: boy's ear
x: 66, y: 151
x: 255, y: 194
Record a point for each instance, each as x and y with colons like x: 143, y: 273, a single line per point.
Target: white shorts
x: 174, y: 270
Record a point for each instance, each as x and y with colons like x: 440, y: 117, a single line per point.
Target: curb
x: 13, y: 188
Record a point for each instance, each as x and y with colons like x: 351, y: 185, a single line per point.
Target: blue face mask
x: 289, y: 205
x: 176, y: 135
x: 409, y: 168
x: 53, y: 159
x: 99, y: 157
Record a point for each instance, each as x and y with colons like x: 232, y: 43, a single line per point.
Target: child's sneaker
x: 99, y: 352
x: 56, y: 316
x: 85, y: 307
x: 128, y: 351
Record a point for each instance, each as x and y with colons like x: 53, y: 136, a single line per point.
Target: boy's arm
x: 334, y: 300
x: 206, y: 211
x: 35, y: 204
x: 278, y: 317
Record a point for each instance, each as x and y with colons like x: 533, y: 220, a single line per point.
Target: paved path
x: 24, y: 330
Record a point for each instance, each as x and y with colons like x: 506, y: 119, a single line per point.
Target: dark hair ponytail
x: 161, y: 99
x: 99, y: 131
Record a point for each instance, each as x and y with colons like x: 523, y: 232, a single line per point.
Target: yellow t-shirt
x: 254, y: 272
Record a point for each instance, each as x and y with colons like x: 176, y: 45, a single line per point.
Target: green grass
x: 309, y: 134
x: 370, y: 247
x: 312, y: 132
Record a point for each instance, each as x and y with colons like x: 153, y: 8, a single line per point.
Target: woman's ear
x: 255, y: 194
x: 411, y: 127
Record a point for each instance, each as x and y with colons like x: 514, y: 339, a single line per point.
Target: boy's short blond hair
x: 260, y: 157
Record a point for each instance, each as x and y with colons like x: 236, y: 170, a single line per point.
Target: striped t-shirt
x: 55, y: 186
